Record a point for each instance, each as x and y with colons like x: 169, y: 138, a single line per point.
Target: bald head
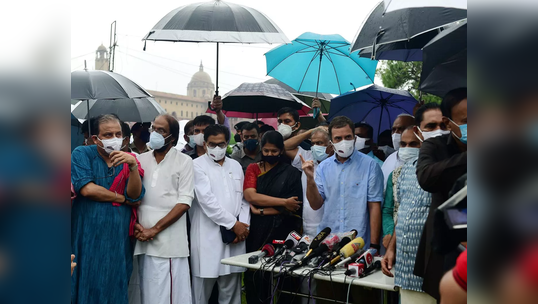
x: 402, y: 122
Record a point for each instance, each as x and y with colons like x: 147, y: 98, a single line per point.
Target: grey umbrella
x: 402, y: 25
x: 216, y: 21
x: 108, y: 92
x: 129, y: 109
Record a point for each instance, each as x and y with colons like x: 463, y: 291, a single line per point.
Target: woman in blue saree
x: 99, y: 226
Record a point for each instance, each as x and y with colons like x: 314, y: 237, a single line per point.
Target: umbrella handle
x: 209, y: 106
x: 315, y: 113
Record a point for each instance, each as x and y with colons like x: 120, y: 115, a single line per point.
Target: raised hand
x: 316, y: 103
x: 308, y: 167
x: 217, y: 103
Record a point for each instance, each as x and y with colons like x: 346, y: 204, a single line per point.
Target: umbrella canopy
x: 306, y: 97
x: 128, y: 109
x: 408, y: 50
x: 77, y: 138
x: 375, y: 105
x: 259, y: 100
x: 393, y: 5
x: 445, y: 61
x: 402, y: 25
x: 104, y: 85
x: 216, y: 21
x: 319, y: 63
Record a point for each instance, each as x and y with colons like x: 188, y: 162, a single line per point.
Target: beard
x: 163, y: 148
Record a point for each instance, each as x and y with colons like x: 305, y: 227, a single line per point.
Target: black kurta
x: 440, y: 164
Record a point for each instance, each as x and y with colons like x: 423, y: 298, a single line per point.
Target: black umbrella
x: 408, y: 50
x: 112, y: 93
x: 129, y: 109
x: 260, y: 100
x: 216, y: 21
x: 445, y: 61
x: 403, y: 25
x: 77, y: 138
x: 306, y: 97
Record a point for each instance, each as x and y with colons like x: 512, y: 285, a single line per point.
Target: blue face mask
x: 251, y: 144
x: 191, y: 142
x: 318, y: 153
x: 463, y: 130
x: 157, y: 141
x: 408, y: 153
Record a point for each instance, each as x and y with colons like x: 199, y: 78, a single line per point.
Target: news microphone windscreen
x: 306, y: 239
x: 294, y: 235
x: 289, y: 243
x: 320, y: 237
x: 270, y: 249
x: 352, y: 247
x: 331, y: 240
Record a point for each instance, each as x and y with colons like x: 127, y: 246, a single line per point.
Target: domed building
x: 201, y: 85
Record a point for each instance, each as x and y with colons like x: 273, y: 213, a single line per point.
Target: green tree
x: 404, y: 76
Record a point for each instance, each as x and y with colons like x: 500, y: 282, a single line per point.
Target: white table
x: 375, y: 280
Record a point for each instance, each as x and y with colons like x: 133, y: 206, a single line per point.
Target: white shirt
x: 218, y: 202
x: 311, y: 217
x: 168, y: 183
x: 391, y: 163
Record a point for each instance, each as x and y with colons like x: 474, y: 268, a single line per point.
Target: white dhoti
x: 164, y: 280
x: 229, y: 289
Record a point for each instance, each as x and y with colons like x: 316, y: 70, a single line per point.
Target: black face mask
x: 271, y: 159
x: 144, y: 135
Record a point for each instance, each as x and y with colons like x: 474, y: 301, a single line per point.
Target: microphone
x: 347, y: 251
x: 303, y: 245
x: 367, y: 258
x: 291, y: 241
x: 350, y: 258
x: 317, y: 240
x: 376, y: 266
x: 345, y: 238
x: 327, y: 245
x: 267, y: 250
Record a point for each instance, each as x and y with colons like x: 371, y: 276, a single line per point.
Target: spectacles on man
x: 158, y: 130
x: 212, y: 145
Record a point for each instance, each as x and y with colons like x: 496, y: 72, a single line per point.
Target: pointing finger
x: 302, y: 159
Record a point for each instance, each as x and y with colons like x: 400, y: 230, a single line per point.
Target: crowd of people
x: 176, y: 211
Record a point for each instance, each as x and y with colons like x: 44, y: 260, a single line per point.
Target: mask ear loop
x: 458, y: 128
x: 418, y: 137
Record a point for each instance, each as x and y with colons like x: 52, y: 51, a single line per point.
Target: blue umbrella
x: 375, y: 105
x: 319, y: 63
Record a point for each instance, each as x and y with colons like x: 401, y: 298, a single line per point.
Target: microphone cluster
x: 325, y: 252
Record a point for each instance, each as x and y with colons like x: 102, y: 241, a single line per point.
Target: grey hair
x: 103, y: 118
x: 405, y: 114
x: 321, y: 130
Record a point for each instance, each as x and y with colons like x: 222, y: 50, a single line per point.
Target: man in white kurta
x: 162, y: 247
x: 218, y: 202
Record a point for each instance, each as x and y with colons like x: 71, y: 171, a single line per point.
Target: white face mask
x: 344, y: 148
x: 199, y: 139
x: 434, y: 133
x: 318, y: 153
x: 111, y: 144
x: 396, y: 138
x: 285, y: 130
x: 216, y: 153
x: 360, y: 143
x: 408, y: 153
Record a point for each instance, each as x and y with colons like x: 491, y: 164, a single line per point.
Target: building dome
x: 201, y: 76
x: 102, y: 48
x: 201, y: 85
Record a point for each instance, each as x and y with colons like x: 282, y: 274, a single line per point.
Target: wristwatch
x: 261, y: 211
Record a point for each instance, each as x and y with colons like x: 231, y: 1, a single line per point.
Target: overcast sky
x: 167, y: 66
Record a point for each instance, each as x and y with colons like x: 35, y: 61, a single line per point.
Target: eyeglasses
x: 222, y: 145
x: 160, y: 131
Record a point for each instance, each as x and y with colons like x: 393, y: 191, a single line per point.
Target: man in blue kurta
x: 100, y: 217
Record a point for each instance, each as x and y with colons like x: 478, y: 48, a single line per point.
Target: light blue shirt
x: 346, y: 190
x: 380, y: 162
